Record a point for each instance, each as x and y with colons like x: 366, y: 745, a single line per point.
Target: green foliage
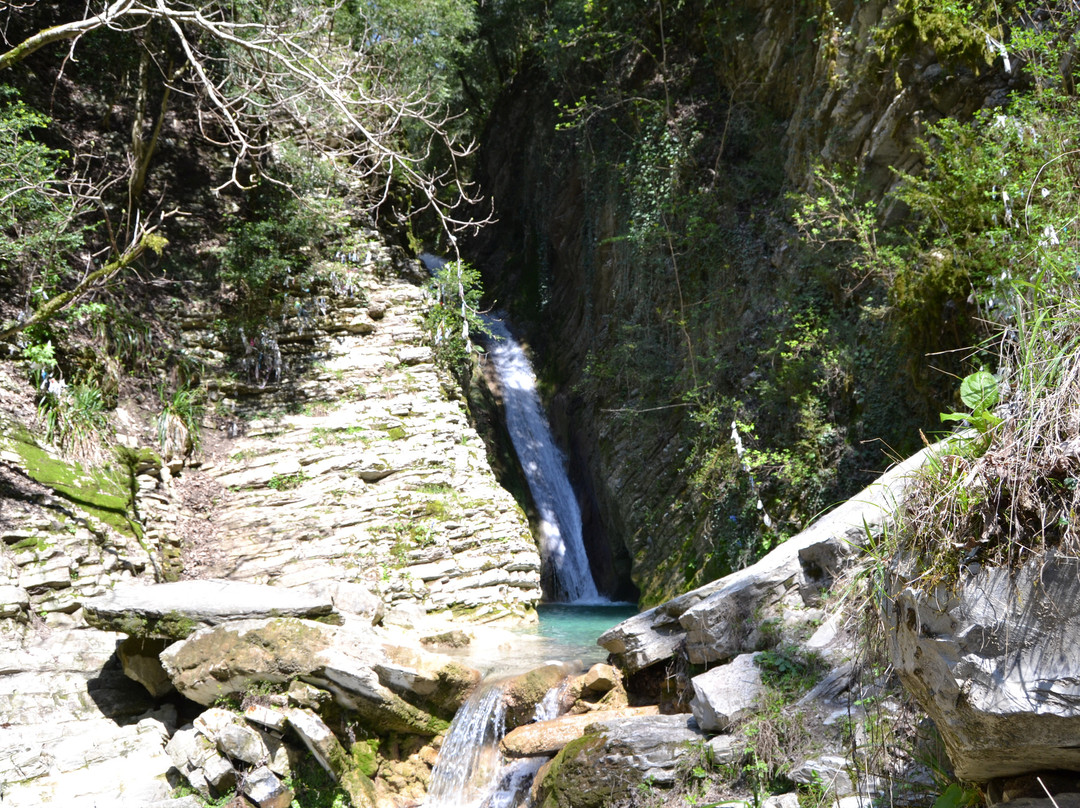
x: 775, y: 741
x: 422, y: 42
x: 994, y: 220
x: 74, y: 416
x: 833, y: 217
x: 454, y: 315
x: 37, y: 206
x: 287, y: 482
x: 957, y: 796
x: 41, y: 361
x: 185, y: 404
x: 790, y: 670
x: 271, y: 248
x: 314, y: 787
x: 979, y: 392
x: 954, y: 29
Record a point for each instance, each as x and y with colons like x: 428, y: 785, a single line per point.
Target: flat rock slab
x: 174, y: 610
x: 548, y: 737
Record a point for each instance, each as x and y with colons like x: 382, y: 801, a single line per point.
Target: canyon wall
x: 647, y: 241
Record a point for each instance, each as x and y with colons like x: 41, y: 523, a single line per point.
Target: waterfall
x: 471, y: 771
x: 470, y: 764
x: 561, y: 546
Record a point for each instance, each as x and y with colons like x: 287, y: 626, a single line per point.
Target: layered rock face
x: 338, y: 462
x: 365, y: 467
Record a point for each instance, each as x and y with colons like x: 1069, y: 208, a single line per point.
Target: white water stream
x: 561, y: 546
x: 471, y: 772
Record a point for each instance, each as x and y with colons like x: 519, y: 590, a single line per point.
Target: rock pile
x: 293, y: 679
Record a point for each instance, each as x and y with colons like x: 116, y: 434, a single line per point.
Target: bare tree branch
x: 263, y: 81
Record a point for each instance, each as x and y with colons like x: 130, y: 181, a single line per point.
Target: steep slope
x: 352, y: 463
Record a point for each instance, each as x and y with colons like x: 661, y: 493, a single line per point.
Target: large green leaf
x: 979, y: 391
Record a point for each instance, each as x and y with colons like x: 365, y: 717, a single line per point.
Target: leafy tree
x: 263, y: 75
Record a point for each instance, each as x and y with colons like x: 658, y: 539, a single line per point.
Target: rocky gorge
x: 257, y: 540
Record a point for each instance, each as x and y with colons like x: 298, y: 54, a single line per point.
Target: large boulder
x: 994, y: 663
x: 727, y: 694
x: 174, y: 610
x: 524, y: 692
x: 717, y: 621
x: 390, y: 687
x: 606, y: 765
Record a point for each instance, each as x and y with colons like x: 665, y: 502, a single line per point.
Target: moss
x: 365, y: 758
x: 454, y: 683
x: 175, y: 626
x: 103, y: 493
x: 172, y: 626
x: 31, y: 543
x: 572, y: 781
x: 132, y: 625
x: 524, y: 692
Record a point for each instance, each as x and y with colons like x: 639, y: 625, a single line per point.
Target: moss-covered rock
x: 353, y: 665
x: 614, y: 758
x: 104, y: 493
x: 571, y: 779
x: 525, y: 691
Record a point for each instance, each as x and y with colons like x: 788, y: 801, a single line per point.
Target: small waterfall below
x: 562, y: 548
x: 470, y: 763
x: 471, y: 771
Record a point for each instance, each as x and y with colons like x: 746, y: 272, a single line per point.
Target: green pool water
x: 563, y: 633
x: 570, y: 631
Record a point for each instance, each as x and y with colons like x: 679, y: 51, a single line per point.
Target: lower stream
x: 471, y: 772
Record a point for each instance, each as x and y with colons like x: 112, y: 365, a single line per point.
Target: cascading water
x: 471, y: 771
x: 470, y: 764
x: 561, y: 546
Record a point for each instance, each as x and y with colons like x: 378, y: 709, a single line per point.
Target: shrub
x: 184, y: 409
x: 454, y: 315
x: 74, y: 417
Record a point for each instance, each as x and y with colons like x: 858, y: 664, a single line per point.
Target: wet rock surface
x: 548, y: 737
